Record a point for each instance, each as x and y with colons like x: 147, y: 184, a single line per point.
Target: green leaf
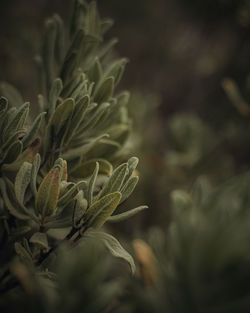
x: 93, y: 25
x: 22, y: 181
x: 123, y: 216
x: 34, y: 171
x: 59, y: 43
x: 114, y: 247
x: 95, y: 72
x: 32, y: 132
x: 13, y: 152
x: 116, y: 70
x: 78, y: 116
x: 71, y: 193
x: 104, y: 91
x: 132, y: 164
x: 48, y: 193
x: 115, y: 181
x: 48, y: 51
x: 11, y: 204
x: 87, y: 168
x: 62, y: 114
x: 18, y: 121
x: 91, y: 186
x: 80, y: 151
x: 101, y: 210
x: 55, y: 91
x: 129, y: 187
x: 40, y: 239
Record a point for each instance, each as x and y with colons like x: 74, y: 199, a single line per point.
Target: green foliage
x: 57, y: 182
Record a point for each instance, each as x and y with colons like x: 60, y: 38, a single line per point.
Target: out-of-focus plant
x: 57, y: 183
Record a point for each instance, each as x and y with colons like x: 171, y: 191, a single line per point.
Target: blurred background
x: 180, y: 52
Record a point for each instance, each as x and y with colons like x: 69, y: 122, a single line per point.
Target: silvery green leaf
x: 40, y: 239
x: 76, y: 43
x: 115, y: 181
x: 95, y: 72
x: 77, y: 152
x: 100, y: 210
x: 55, y: 91
x: 78, y: 15
x: 123, y: 216
x: 96, y: 116
x: 32, y: 132
x: 87, y: 168
x: 93, y: 26
x: 48, y: 50
x: 114, y: 247
x: 59, y: 43
x: 12, y: 94
x: 62, y: 113
x: 105, y: 90
x: 18, y: 120
x: 12, y: 138
x: 78, y: 115
x: 48, y: 193
x: 22, y: 181
x: 129, y: 187
x: 13, y: 152
x: 132, y: 164
x: 11, y: 203
x: 80, y: 208
x: 71, y: 193
x: 91, y: 186
x: 116, y: 70
x: 34, y: 171
x: 71, y: 84
x: 69, y: 67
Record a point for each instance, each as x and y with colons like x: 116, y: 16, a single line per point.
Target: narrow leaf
x: 22, y: 181
x: 104, y: 91
x: 92, y: 184
x: 123, y: 216
x: 129, y: 187
x: 48, y: 193
x: 101, y: 210
x: 114, y: 247
x: 34, y: 172
x: 40, y: 239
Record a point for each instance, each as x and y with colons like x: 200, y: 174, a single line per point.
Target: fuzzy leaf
x: 101, y: 210
x: 22, y: 181
x: 114, y: 247
x: 32, y: 132
x: 123, y: 216
x: 115, y: 181
x: 40, y: 239
x: 15, y: 210
x: 34, y: 172
x: 105, y: 90
x: 116, y: 70
x: 87, y: 168
x: 92, y: 184
x: 71, y: 193
x: 55, y: 91
x: 48, y: 193
x: 62, y: 114
x: 129, y: 187
x: 13, y: 152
